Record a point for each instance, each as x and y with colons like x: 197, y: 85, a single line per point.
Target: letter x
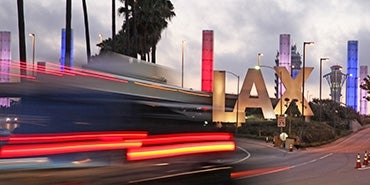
x: 293, y: 90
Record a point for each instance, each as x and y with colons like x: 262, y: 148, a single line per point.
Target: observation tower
x: 336, y: 80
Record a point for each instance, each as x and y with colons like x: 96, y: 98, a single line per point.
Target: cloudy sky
x: 242, y: 28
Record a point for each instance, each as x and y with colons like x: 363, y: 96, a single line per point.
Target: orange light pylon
x: 365, y: 163
x: 358, y: 161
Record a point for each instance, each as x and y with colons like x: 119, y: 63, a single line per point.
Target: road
x: 255, y: 162
x: 182, y: 170
x: 330, y: 164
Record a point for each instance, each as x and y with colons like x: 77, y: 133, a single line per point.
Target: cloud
x: 242, y: 28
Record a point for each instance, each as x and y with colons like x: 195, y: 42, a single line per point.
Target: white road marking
x: 178, y: 174
x: 243, y: 159
x: 312, y: 161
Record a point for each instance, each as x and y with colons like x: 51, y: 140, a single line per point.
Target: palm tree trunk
x: 68, y: 32
x: 135, y: 42
x: 87, y: 33
x: 127, y: 48
x: 22, y: 38
x: 154, y: 49
x: 113, y: 23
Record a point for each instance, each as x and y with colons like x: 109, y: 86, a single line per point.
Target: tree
x: 161, y: 12
x: 366, y: 86
x: 125, y: 10
x: 141, y: 31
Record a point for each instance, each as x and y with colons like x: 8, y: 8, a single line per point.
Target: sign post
x: 281, y: 121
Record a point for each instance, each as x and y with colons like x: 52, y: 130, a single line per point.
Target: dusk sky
x: 242, y: 29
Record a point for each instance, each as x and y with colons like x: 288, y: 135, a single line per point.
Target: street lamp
x: 100, y: 38
x: 259, y: 58
x: 33, y: 37
x: 237, y: 101
x: 303, y: 75
x: 321, y: 59
x: 182, y: 63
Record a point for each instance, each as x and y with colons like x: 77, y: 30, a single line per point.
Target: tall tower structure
x: 296, y: 62
x: 336, y: 80
x: 5, y: 59
x: 363, y: 92
x: 207, y: 61
x: 352, y: 78
x: 284, y: 56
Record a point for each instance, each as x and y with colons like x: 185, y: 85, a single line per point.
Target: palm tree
x: 22, y: 37
x: 145, y: 19
x: 152, y: 20
x: 87, y: 33
x: 164, y: 10
x: 126, y: 11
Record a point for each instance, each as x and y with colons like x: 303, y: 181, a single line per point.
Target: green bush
x: 308, y: 133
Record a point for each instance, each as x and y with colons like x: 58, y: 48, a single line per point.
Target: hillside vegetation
x: 336, y: 121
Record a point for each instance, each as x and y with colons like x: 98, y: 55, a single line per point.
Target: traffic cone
x: 365, y: 163
x: 358, y: 161
x: 290, y: 147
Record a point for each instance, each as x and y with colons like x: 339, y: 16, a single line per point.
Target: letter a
x: 262, y: 101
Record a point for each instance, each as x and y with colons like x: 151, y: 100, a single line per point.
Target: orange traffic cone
x: 365, y: 163
x: 290, y: 147
x: 358, y: 161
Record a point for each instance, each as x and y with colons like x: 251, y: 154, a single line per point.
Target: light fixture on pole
x: 321, y: 59
x: 237, y: 101
x: 100, y: 38
x: 33, y: 37
x: 259, y: 58
x: 258, y: 66
x: 303, y: 74
x: 182, y: 63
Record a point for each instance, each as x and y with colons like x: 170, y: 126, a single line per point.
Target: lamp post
x: 303, y: 75
x: 33, y: 37
x: 182, y: 63
x: 281, y: 100
x: 321, y: 59
x: 237, y: 101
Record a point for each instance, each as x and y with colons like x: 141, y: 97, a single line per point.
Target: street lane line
x: 257, y: 172
x: 178, y: 174
x: 312, y: 161
x: 243, y: 159
x: 363, y: 168
x: 265, y: 171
